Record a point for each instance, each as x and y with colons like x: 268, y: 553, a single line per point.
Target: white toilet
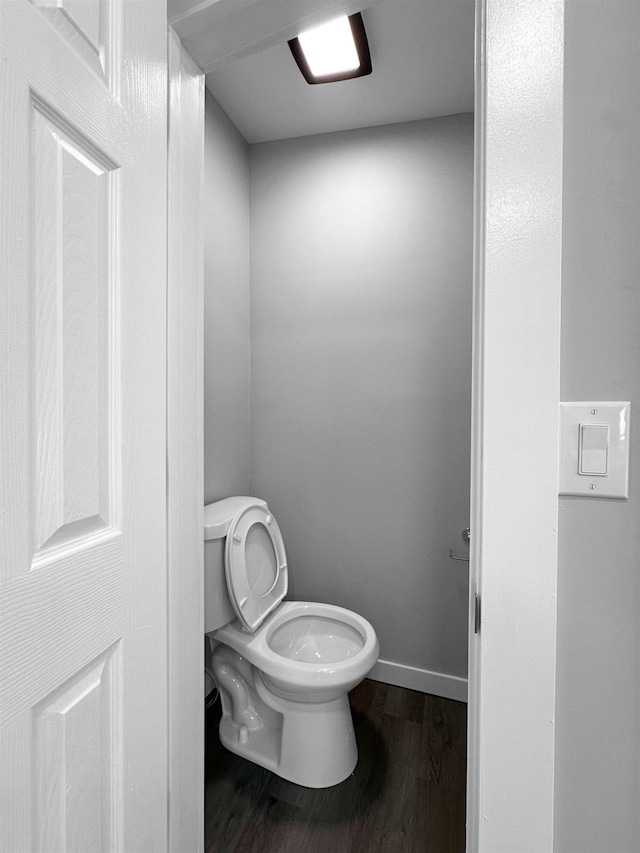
x: 283, y: 668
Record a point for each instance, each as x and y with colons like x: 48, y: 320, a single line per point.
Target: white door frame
x: 516, y: 381
x: 185, y: 450
x: 517, y: 269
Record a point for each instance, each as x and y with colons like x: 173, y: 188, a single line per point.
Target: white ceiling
x: 422, y: 53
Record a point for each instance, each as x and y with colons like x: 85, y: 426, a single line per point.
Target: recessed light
x: 337, y: 50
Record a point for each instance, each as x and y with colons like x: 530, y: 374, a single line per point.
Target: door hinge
x: 476, y: 613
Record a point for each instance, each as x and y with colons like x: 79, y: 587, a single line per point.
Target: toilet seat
x: 304, y: 675
x: 255, y: 565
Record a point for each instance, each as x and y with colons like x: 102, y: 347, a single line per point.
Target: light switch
x: 593, y: 450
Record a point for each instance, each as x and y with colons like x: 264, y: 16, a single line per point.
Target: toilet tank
x: 218, y: 610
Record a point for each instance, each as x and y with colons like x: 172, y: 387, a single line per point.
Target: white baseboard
x: 414, y: 678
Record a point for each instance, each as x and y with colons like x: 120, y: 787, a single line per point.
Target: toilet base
x: 309, y: 743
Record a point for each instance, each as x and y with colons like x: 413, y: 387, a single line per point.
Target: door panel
x: 83, y: 728
x: 87, y: 26
x: 73, y: 238
x: 76, y: 763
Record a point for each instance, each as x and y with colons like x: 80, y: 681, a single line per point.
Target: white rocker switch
x: 593, y: 450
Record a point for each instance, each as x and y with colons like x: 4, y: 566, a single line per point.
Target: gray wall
x: 226, y: 307
x: 361, y: 259
x: 598, y: 676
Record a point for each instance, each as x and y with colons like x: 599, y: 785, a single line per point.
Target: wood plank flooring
x: 406, y: 795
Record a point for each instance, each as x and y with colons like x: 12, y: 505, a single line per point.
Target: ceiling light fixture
x: 338, y: 50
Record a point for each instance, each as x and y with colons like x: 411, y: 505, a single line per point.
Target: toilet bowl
x: 283, y: 668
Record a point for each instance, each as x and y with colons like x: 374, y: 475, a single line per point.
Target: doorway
x: 498, y: 310
x: 338, y: 277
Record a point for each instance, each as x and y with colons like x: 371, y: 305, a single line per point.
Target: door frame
x: 516, y: 368
x: 185, y: 449
x: 516, y: 388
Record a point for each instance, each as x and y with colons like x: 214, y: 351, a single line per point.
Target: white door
x: 83, y: 705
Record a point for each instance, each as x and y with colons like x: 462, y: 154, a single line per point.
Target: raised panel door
x: 83, y: 670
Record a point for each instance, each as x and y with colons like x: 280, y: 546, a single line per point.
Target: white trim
x: 516, y: 371
x: 185, y: 468
x: 415, y: 678
x: 474, y: 775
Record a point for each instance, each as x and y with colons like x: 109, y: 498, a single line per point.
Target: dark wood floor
x: 406, y: 795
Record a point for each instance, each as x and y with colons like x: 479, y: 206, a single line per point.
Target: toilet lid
x: 255, y: 565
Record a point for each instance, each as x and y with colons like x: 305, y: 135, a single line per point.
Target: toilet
x: 283, y: 668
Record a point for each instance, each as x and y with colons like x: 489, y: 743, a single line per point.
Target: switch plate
x: 594, y: 449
